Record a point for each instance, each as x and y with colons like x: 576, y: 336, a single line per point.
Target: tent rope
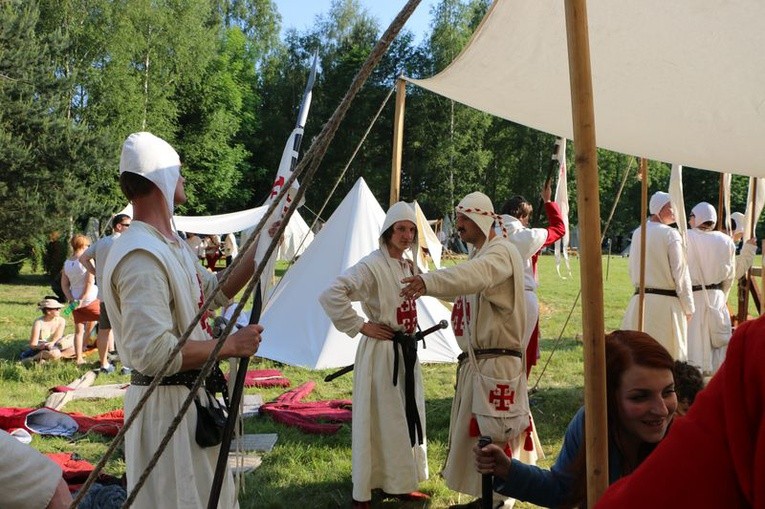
x: 308, y: 165
x: 579, y: 293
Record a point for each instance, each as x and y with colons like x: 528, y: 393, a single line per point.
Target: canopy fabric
x: 298, y: 332
x: 297, y: 235
x: 681, y: 82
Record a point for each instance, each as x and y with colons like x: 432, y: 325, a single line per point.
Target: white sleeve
x: 29, y: 479
x: 356, y: 284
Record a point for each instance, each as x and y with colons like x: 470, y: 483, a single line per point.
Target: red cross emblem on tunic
x: 502, y: 397
x: 460, y: 316
x: 406, y: 315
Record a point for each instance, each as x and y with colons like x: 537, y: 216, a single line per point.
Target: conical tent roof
x: 298, y: 332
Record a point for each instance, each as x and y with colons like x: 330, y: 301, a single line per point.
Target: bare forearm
x: 242, y: 272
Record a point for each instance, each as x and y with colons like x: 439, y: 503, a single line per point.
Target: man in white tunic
x: 711, y: 262
x: 388, y: 430
x: 488, y: 319
x: 154, y: 287
x: 745, y: 259
x: 668, y: 295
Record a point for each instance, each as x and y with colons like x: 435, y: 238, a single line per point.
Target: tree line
x: 216, y: 80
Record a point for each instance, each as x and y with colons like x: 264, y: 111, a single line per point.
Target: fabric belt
x: 409, y: 353
x: 186, y: 378
x: 658, y: 291
x: 715, y: 286
x: 491, y: 352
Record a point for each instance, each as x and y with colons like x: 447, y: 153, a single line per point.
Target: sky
x: 300, y: 14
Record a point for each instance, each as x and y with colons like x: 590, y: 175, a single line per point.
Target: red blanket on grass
x: 715, y: 455
x: 107, y: 424
x: 318, y: 417
x: 265, y: 378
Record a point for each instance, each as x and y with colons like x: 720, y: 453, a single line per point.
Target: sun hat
x: 49, y: 304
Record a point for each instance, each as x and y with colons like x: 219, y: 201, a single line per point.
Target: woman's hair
x: 517, y: 206
x: 624, y: 349
x: 134, y: 185
x: 79, y: 241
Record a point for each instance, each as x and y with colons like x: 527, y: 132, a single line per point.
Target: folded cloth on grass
x: 318, y: 417
x: 47, y: 421
x: 265, y: 378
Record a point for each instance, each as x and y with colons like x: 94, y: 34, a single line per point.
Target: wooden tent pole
x: 643, y: 222
x: 588, y: 204
x: 720, y: 202
x: 398, y: 141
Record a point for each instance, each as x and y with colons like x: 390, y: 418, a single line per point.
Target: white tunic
x: 665, y: 269
x: 490, y: 312
x: 153, y: 289
x: 382, y: 456
x: 528, y: 241
x: 711, y: 260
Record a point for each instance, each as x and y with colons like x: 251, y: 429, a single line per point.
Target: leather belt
x: 490, y: 352
x: 658, y: 291
x: 715, y: 286
x: 185, y: 378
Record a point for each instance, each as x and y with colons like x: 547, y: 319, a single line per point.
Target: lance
x: 292, y: 148
x: 554, y: 165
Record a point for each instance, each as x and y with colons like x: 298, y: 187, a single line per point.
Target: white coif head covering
x: 658, y: 200
x: 739, y: 218
x: 153, y: 158
x: 399, y: 211
x: 479, y: 209
x: 704, y: 212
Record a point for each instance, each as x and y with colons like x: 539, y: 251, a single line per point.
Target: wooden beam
x: 588, y: 203
x: 643, y: 227
x: 398, y: 141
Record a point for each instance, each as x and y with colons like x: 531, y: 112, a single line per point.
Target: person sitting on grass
x: 641, y: 403
x: 46, y: 341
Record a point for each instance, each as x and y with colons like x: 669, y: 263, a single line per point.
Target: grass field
x: 314, y: 471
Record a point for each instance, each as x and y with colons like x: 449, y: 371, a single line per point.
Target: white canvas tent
x: 427, y: 239
x: 298, y: 332
x: 681, y: 82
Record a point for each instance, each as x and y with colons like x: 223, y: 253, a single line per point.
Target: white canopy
x: 297, y: 235
x: 680, y: 81
x: 298, y: 332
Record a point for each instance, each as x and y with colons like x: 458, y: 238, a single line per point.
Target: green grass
x: 314, y: 471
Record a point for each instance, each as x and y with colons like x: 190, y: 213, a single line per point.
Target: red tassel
x: 528, y: 444
x: 508, y: 450
x: 474, y: 431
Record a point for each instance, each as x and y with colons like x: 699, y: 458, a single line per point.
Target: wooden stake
x: 588, y: 203
x: 398, y: 141
x: 643, y: 227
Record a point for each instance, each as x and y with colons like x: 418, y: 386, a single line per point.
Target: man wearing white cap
x: 711, y: 264
x: 488, y: 319
x: 745, y: 259
x: 154, y: 288
x: 668, y: 295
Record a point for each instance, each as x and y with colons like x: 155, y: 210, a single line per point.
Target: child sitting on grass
x: 47, y: 340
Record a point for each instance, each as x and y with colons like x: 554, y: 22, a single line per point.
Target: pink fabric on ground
x: 265, y: 378
x: 318, y: 417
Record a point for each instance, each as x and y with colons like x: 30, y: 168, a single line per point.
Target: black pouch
x: 211, y: 419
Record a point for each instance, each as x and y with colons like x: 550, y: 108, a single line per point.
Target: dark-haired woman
x: 641, y: 402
